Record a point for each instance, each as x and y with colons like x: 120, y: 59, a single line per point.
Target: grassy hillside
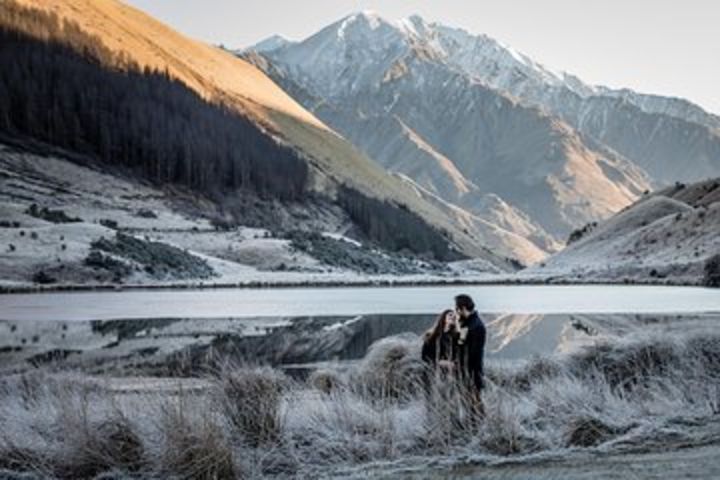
x: 670, y: 236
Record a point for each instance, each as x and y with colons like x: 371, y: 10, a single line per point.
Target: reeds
x: 251, y: 422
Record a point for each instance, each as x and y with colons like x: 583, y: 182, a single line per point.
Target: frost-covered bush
x: 54, y: 216
x: 194, y: 446
x: 157, y: 259
x: 392, y: 367
x: 43, y: 278
x: 97, y: 260
x: 325, y: 380
x: 251, y: 400
x: 712, y: 272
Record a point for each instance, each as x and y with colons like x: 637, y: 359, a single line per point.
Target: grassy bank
x: 641, y: 393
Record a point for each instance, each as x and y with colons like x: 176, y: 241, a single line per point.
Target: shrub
x: 347, y: 255
x: 325, y: 380
x: 54, y: 216
x: 712, y: 272
x: 112, y: 444
x: 158, y: 259
x: 578, y: 234
x: 221, y: 225
x: 251, y: 400
x: 106, y: 222
x: 43, y: 278
x: 13, y: 459
x: 97, y: 260
x: 146, y: 213
x: 392, y: 368
x: 588, y: 432
x: 195, y: 447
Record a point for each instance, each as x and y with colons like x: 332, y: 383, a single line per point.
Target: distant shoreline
x: 376, y: 283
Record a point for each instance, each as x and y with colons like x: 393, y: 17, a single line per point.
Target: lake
x: 152, y: 334
x: 289, y: 302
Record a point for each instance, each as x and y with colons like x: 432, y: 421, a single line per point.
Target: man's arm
x: 477, y: 353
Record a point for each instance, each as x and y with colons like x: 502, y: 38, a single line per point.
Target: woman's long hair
x: 434, y: 333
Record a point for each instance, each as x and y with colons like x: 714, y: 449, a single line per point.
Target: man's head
x: 464, y: 305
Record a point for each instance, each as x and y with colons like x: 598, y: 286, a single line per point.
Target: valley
x: 384, y: 248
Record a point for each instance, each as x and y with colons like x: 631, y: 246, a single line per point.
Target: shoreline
x: 369, y: 283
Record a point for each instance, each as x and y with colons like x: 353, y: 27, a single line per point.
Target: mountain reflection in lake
x: 281, y: 341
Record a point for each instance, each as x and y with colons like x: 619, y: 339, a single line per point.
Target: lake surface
x: 281, y: 302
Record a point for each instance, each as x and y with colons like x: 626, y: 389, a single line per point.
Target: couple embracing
x: 455, y: 345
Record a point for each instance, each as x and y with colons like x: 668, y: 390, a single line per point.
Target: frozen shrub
x: 580, y: 233
x: 712, y: 272
x: 251, y: 399
x: 392, y: 368
x: 501, y: 429
x: 535, y: 370
x: 97, y: 260
x: 54, y: 216
x: 325, y: 380
x: 221, y: 224
x: 14, y: 459
x: 92, y: 449
x: 588, y: 432
x: 157, y: 259
x: 43, y: 278
x: 626, y: 366
x: 106, y: 222
x: 146, y: 213
x: 344, y: 254
x: 195, y: 448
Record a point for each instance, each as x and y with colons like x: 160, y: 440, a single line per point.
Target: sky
x: 667, y: 47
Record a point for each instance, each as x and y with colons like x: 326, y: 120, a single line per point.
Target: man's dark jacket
x: 473, y: 350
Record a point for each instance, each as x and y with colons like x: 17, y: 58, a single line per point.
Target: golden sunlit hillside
x: 208, y: 70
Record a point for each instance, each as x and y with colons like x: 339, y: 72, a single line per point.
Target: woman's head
x: 448, y: 319
x: 445, y: 322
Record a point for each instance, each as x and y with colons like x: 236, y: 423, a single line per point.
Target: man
x: 471, y: 342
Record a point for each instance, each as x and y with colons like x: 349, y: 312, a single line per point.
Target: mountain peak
x: 365, y: 19
x: 272, y: 42
x: 369, y: 14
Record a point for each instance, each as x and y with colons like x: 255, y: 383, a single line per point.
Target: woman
x: 440, y: 344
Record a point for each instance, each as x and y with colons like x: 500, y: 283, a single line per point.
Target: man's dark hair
x: 464, y: 301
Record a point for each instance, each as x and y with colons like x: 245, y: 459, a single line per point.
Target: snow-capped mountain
x: 230, y: 156
x: 655, y: 132
x: 402, y: 91
x: 465, y: 116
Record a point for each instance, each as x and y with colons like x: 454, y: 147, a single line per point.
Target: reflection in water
x: 510, y: 336
x: 281, y: 341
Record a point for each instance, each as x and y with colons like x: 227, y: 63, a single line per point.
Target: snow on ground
x: 104, y: 204
x: 667, y: 237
